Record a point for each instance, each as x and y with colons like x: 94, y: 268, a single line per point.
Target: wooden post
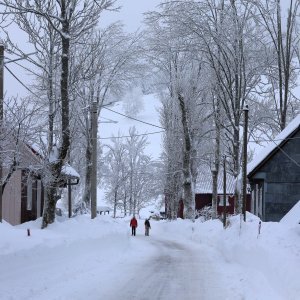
x: 69, y: 198
x: 244, y: 170
x: 94, y: 120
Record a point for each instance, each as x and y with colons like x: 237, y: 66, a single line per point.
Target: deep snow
x: 80, y: 258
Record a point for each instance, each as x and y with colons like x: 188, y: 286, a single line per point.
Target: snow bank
x: 81, y: 228
x: 293, y: 216
x: 79, y: 252
x: 254, y: 266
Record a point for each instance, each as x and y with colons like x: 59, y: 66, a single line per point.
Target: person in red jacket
x: 133, y: 225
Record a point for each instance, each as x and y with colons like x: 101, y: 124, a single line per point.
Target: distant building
x: 104, y: 210
x: 203, y: 192
x: 275, y: 175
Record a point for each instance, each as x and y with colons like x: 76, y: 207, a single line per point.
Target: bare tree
x: 71, y: 20
x: 128, y: 174
x: 116, y: 174
x: 20, y: 130
x: 182, y: 73
x: 106, y: 65
x: 227, y: 36
x: 281, y: 49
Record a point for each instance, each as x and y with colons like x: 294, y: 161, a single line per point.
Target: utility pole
x: 244, y: 169
x: 224, y: 192
x: 1, y: 121
x: 94, y: 123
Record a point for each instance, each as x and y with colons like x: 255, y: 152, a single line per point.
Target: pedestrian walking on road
x: 133, y: 225
x: 147, y: 227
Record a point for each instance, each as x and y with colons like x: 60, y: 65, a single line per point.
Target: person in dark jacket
x: 133, y: 225
x: 147, y: 227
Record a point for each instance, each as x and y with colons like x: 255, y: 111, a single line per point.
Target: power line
x: 150, y: 133
x: 21, y: 82
x: 97, y: 3
x: 288, y: 156
x: 274, y: 140
x: 134, y: 118
x: 127, y: 136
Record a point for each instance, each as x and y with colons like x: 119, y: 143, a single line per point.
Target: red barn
x: 203, y: 194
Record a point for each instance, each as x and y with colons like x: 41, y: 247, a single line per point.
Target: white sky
x: 131, y: 13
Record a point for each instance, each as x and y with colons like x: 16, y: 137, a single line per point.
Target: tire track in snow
x: 176, y: 271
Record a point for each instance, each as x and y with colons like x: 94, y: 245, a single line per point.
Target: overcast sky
x: 131, y: 13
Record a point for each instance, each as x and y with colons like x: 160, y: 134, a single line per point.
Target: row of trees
x: 127, y: 173
x: 76, y: 63
x: 204, y: 59
x: 210, y: 58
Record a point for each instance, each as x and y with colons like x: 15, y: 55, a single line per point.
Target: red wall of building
x: 202, y: 200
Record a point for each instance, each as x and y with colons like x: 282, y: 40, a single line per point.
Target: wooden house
x: 274, y: 175
x: 23, y: 195
x: 203, y: 193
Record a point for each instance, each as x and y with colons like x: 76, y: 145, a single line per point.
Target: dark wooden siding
x: 281, y: 175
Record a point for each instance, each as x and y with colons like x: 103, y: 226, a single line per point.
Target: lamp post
x: 244, y: 169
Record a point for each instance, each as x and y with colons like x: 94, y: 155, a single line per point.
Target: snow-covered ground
x: 80, y: 258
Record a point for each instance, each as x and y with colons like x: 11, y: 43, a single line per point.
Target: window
x: 29, y: 193
x: 221, y: 201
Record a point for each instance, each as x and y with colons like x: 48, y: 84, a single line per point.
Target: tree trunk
x: 87, y: 185
x: 216, y: 163
x: 217, y: 113
x: 236, y: 168
x: 188, y: 190
x: 279, y: 62
x: 50, y: 205
x: 51, y: 187
x: 115, y: 202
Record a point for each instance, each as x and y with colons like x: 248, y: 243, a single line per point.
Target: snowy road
x: 114, y: 268
x: 173, y: 271
x: 98, y: 259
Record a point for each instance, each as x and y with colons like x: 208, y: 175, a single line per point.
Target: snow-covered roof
x: 204, y: 182
x: 69, y: 171
x: 104, y: 208
x: 278, y: 140
x: 293, y: 216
